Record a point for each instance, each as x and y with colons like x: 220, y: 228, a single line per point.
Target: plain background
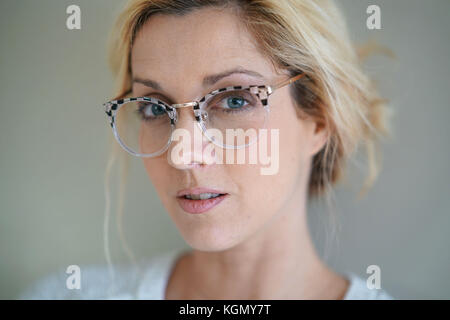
x: 54, y: 145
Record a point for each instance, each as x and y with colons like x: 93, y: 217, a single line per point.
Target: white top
x: 96, y: 283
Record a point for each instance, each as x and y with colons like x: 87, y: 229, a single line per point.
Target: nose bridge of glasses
x: 187, y: 123
x: 184, y: 105
x: 198, y: 114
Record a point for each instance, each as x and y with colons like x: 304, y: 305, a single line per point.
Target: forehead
x: 202, y: 42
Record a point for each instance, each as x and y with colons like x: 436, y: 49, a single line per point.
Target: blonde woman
x: 200, y: 67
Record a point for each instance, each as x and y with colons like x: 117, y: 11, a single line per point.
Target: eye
x: 235, y: 102
x: 149, y: 111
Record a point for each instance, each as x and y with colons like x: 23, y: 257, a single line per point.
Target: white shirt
x: 96, y: 283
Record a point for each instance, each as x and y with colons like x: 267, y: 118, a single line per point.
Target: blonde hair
x: 307, y: 36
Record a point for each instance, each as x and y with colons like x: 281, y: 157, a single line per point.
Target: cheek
x: 290, y: 150
x: 158, y: 170
x: 294, y: 136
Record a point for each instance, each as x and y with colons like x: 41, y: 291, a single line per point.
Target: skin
x: 256, y: 243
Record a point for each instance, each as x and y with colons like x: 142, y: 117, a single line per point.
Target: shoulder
x: 146, y: 280
x: 157, y: 274
x: 95, y: 282
x: 358, y: 290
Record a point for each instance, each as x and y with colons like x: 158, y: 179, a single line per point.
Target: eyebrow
x: 212, y: 79
x: 207, y: 81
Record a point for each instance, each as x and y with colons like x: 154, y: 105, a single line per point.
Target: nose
x: 189, y: 148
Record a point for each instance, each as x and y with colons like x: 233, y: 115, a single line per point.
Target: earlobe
x: 319, y: 137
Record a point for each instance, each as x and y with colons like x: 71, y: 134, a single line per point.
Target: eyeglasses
x: 143, y: 126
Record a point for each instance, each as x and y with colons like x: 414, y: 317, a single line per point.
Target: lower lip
x: 200, y: 206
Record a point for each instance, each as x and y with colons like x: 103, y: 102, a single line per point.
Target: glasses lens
x: 143, y: 127
x: 236, y: 115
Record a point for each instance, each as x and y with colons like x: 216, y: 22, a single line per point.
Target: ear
x: 319, y: 136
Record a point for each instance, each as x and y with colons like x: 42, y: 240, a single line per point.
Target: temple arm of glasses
x: 288, y: 81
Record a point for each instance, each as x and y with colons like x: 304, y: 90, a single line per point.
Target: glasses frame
x: 261, y: 91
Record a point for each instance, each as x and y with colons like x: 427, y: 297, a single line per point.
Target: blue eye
x: 158, y: 110
x: 232, y: 102
x: 235, y: 102
x: 151, y: 110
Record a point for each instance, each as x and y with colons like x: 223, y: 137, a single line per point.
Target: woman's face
x: 178, y: 53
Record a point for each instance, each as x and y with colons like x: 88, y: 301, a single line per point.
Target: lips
x: 200, y: 200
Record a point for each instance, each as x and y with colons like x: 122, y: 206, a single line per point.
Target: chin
x: 210, y: 238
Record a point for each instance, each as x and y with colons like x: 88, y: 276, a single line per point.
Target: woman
x: 248, y: 230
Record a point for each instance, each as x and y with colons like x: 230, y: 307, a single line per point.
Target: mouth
x: 202, y: 196
x: 200, y: 200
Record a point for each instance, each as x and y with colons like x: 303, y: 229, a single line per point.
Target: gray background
x: 54, y: 146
